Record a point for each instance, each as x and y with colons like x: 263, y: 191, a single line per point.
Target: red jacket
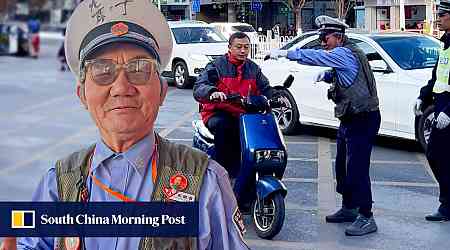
x: 244, y: 79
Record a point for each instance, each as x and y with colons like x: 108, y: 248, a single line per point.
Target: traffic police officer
x: 437, y: 92
x: 130, y: 162
x: 353, y: 90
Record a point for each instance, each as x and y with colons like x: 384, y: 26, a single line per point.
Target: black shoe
x: 438, y: 216
x: 361, y: 226
x: 342, y: 215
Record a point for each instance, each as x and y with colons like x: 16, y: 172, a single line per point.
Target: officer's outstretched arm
x: 339, y: 57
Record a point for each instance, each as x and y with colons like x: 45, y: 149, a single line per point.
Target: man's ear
x: 81, y: 94
x: 164, y: 87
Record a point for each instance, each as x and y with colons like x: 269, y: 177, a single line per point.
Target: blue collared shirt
x: 339, y: 58
x: 130, y: 174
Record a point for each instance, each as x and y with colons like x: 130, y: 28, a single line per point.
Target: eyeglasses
x: 442, y: 14
x: 105, y: 71
x: 323, y: 37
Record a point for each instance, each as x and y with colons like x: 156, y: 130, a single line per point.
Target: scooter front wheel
x: 268, y: 215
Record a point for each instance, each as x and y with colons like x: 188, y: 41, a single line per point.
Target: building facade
x: 380, y: 15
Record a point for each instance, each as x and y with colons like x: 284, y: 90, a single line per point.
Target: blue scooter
x: 263, y: 162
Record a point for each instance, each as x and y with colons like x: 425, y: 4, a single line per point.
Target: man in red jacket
x: 235, y: 74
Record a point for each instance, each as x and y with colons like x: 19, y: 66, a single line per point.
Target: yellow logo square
x: 22, y: 219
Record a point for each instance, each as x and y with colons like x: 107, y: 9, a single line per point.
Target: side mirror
x: 379, y: 66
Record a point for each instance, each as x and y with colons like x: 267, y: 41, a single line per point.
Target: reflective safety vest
x: 442, y: 72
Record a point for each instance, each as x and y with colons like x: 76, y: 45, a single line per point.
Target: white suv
x: 195, y: 44
x: 228, y: 29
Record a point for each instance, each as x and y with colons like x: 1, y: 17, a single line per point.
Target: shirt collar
x: 138, y: 156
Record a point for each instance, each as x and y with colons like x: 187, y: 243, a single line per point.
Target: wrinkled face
x: 330, y: 41
x: 122, y: 108
x: 444, y: 22
x: 240, y: 48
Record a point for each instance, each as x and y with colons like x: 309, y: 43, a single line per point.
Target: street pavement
x: 42, y: 120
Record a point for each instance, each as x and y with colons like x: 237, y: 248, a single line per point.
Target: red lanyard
x: 119, y: 195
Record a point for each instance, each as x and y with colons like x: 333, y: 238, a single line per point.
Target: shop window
x: 383, y: 18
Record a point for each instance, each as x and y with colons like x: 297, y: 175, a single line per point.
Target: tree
x: 6, y: 8
x: 37, y: 5
x: 296, y: 6
x: 342, y: 7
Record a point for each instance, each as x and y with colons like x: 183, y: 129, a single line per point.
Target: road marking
x: 49, y: 150
x: 280, y: 244
x: 302, y: 180
x: 188, y: 116
x: 326, y: 194
x: 375, y: 183
x: 424, y: 161
x: 171, y: 139
x: 302, y: 142
x: 373, y: 161
x: 47, y: 103
x: 404, y: 184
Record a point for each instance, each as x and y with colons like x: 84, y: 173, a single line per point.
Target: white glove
x: 417, y: 107
x: 277, y: 53
x: 320, y: 76
x: 219, y: 96
x: 442, y: 121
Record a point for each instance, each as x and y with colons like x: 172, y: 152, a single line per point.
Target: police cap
x: 328, y: 24
x: 96, y: 23
x: 444, y: 7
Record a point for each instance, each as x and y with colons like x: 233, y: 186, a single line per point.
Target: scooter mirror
x: 288, y: 82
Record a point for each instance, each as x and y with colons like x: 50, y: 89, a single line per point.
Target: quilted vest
x: 72, y: 171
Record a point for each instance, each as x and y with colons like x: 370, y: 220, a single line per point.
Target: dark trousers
x: 225, y: 128
x: 355, y: 139
x: 437, y: 153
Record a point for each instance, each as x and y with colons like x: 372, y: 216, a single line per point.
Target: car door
x: 387, y: 87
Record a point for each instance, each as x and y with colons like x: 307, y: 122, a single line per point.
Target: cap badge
x: 119, y: 29
x: 178, y: 182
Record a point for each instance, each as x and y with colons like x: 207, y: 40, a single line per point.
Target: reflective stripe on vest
x: 442, y: 72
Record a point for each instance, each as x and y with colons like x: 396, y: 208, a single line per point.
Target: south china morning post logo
x: 99, y: 219
x: 22, y: 219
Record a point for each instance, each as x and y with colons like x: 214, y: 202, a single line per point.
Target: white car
x: 228, y: 29
x: 402, y: 63
x: 195, y: 44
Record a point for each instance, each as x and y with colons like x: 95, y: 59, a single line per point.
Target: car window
x: 314, y: 44
x: 298, y: 39
x: 410, y: 52
x: 369, y: 50
x: 242, y: 28
x: 184, y: 35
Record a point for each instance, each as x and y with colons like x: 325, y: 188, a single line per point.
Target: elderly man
x: 437, y: 92
x: 116, y: 52
x: 353, y: 90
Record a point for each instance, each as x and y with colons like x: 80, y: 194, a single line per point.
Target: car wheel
x: 424, y: 125
x: 180, y: 75
x: 287, y: 115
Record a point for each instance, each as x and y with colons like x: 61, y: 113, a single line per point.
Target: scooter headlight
x: 269, y: 156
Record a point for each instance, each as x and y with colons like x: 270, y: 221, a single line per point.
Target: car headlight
x: 274, y: 156
x: 198, y: 57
